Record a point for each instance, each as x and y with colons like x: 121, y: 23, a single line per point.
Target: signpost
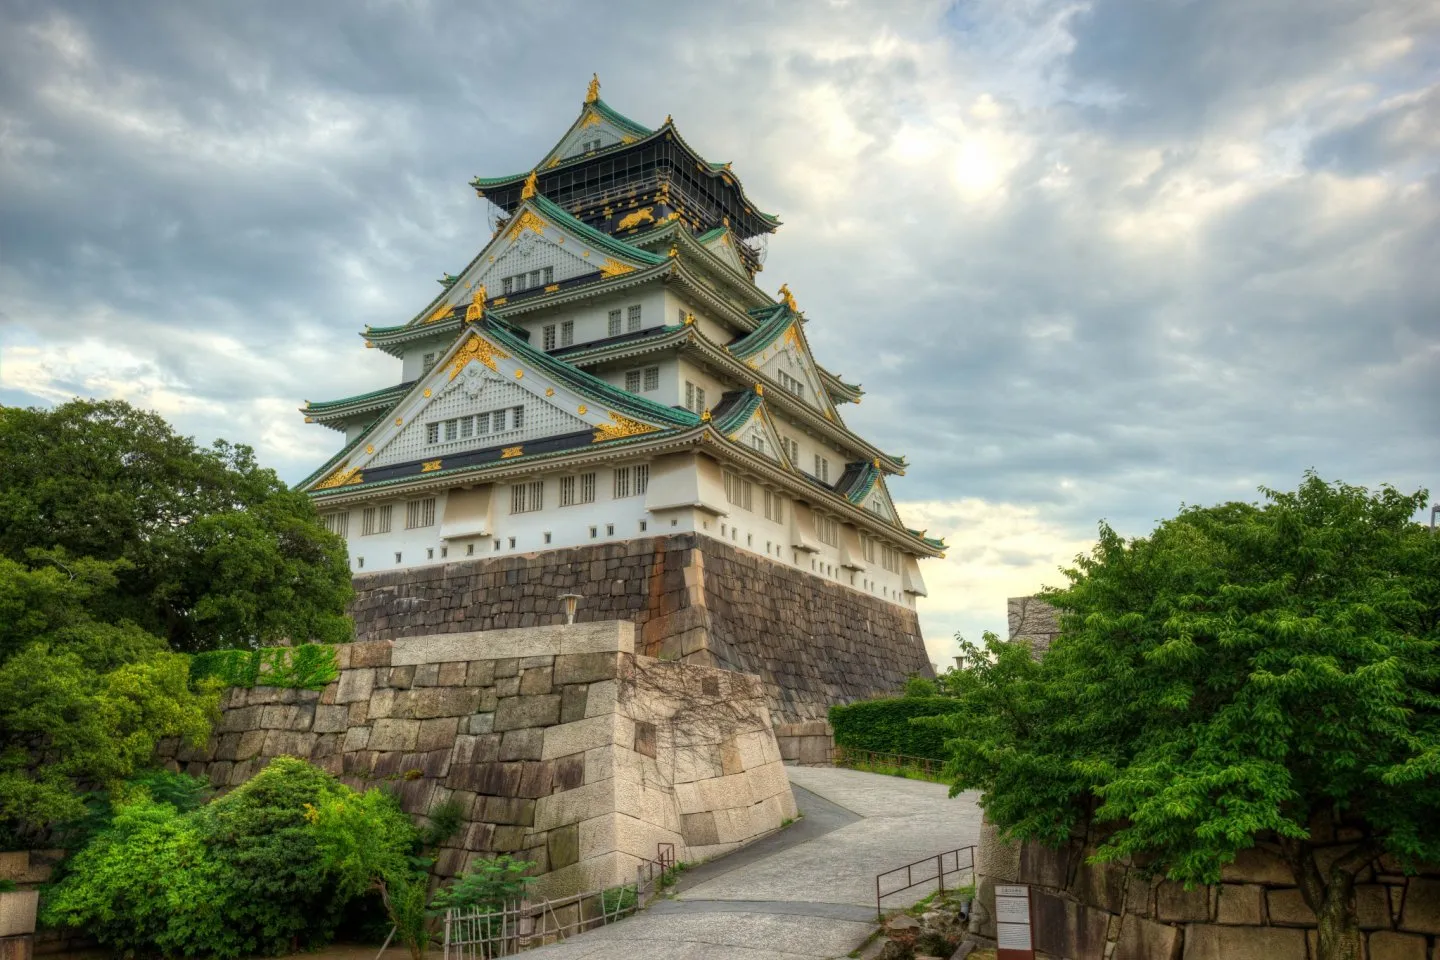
x: 1012, y: 923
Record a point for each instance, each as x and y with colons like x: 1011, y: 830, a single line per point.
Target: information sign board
x: 1012, y: 923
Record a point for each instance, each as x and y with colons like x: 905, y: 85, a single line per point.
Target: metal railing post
x: 940, y: 871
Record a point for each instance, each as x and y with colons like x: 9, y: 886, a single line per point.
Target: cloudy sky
x: 1089, y: 259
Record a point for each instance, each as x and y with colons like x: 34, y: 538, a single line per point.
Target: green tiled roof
x: 620, y: 120
x: 383, y: 393
x: 767, y: 333
x: 597, y: 237
x: 739, y: 413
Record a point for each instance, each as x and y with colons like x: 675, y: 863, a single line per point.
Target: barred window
x: 420, y: 513
x: 774, y: 506
x: 822, y: 469
x: 738, y: 491
x: 632, y: 481
x: 758, y: 442
x: 527, y: 497
x: 429, y: 361
x: 549, y: 275
x: 577, y: 489
x: 375, y: 520
x: 827, y: 529
x: 432, y: 432
x: 632, y: 381
x: 694, y: 397
x: 877, y: 507
x: 642, y: 478
x: 632, y: 318
x: 652, y: 378
x: 338, y: 523
x: 680, y: 316
x: 497, y: 421
x: 507, y: 286
x: 519, y: 417
x: 622, y: 482
x: 614, y: 325
x: 467, y: 427
x: 791, y: 384
x: 890, y: 558
x: 548, y: 337
x: 567, y: 333
x: 792, y: 449
x: 452, y: 429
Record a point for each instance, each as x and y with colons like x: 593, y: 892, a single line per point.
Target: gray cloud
x: 1095, y: 261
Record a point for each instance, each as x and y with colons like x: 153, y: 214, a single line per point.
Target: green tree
x: 82, y: 703
x: 1242, y: 672
x: 217, y: 551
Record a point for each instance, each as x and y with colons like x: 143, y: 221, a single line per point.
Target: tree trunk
x: 1332, y: 898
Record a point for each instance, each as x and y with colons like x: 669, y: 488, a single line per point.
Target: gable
x: 757, y: 433
x: 786, y: 363
x: 591, y: 132
x: 724, y: 248
x: 878, y: 502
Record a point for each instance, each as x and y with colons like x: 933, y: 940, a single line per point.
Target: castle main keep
x: 603, y: 402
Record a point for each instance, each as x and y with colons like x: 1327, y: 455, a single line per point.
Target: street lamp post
x: 572, y: 600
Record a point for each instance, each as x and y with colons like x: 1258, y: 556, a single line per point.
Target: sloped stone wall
x: 1034, y: 621
x: 1115, y: 912
x: 560, y: 744
x: 812, y: 642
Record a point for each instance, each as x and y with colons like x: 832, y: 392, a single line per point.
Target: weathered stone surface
x: 370, y: 653
x: 437, y: 734
x: 394, y: 734
x: 524, y: 744
x: 1044, y: 866
x: 1288, y: 908
x: 1205, y: 941
x: 1422, y: 906
x: 1387, y: 945
x: 1065, y: 928
x: 1143, y: 940
x: 515, y: 712
x: 572, y: 702
x: 586, y: 667
x: 1101, y: 885
x: 562, y: 846
x: 1372, y: 906
x: 534, y: 681
x: 1241, y: 903
x: 453, y: 674
x: 331, y: 719
x: 1173, y: 903
x: 355, y: 685
x: 1257, y: 865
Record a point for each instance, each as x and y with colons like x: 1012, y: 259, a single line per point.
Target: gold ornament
x: 614, y: 268
x: 509, y: 452
x: 590, y: 119
x: 430, y: 466
x: 528, y: 190
x: 582, y: 410
x: 476, y: 348
x: 425, y: 392
x: 342, y: 476
x: 786, y: 297
x: 549, y: 391
x: 526, y: 221
x: 476, y: 310
x: 519, y: 373
x: 643, y: 215
x: 592, y: 92
x: 621, y: 427
x: 442, y: 312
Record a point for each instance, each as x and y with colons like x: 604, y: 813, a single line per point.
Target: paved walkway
x: 805, y: 892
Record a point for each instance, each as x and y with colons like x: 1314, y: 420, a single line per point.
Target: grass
x: 890, y: 770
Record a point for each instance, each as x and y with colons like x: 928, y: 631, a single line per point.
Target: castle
x: 605, y: 379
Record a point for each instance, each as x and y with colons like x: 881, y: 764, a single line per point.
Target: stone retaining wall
x: 809, y: 743
x: 1114, y: 912
x: 812, y: 642
x: 562, y: 746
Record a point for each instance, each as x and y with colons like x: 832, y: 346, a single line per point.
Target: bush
x: 884, y: 726
x: 268, y: 867
x: 309, y: 666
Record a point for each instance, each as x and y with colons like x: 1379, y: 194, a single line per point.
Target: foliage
x: 445, y: 820
x: 1240, y: 671
x: 8, y: 886
x: 179, y: 790
x: 306, y: 667
x: 884, y: 726
x: 489, y: 885
x: 83, y: 703
x: 617, y: 900
x: 265, y: 868
x: 216, y: 551
x: 921, y: 687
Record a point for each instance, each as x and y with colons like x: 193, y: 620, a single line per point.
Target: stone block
x: 239, y: 719
x: 401, y: 678
x: 524, y: 744
x: 382, y: 705
x: 359, y: 712
x: 601, y: 698
x: 356, y: 684
x: 996, y: 859
x: 480, y: 673
x: 507, y: 667
x: 729, y: 755
x: 356, y: 738
x: 1288, y: 908
x: 536, y: 778
x: 1044, y: 866
x: 699, y: 828
x: 1241, y: 904
x: 426, y: 675
x: 1257, y: 865
x: 507, y: 838
x: 1175, y: 904
x: 1422, y: 906
x: 452, y: 674
x: 288, y: 743
x: 1065, y: 928
x: 427, y: 703
x: 480, y: 836
x: 572, y: 702
x: 1101, y: 885
x: 562, y: 846
x: 1388, y: 945
x: 1372, y: 906
x: 477, y: 748
x: 586, y: 667
x: 569, y: 772
x: 1205, y: 941
x: 1143, y: 940
x: 394, y: 734
x: 645, y: 741
x: 437, y: 734
x: 510, y: 810
x: 374, y: 653
x: 482, y: 723
x: 516, y: 712
x: 535, y: 681
x: 573, y: 806
x: 507, y: 686
x: 331, y: 719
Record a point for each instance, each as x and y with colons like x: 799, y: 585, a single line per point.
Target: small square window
x: 397, y: 558
x: 512, y: 543
x: 652, y: 378
x: 594, y: 532
x: 548, y: 337
x: 609, y: 529
x: 632, y: 381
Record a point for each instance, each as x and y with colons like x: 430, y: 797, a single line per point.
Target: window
x: 652, y: 379
x: 432, y: 433
x: 534, y: 278
x: 758, y: 442
x: 507, y: 286
x: 579, y: 489
x: 632, y: 318
x: 469, y: 549
x: 774, y: 506
x: 338, y: 524
x: 521, y: 282
x: 609, y: 529
x: 375, y: 520
x: 877, y: 507
x: 632, y: 481
x: 497, y: 421
x: 791, y: 384
x: 548, y: 337
x: 827, y: 529
x: 360, y: 563
x: 547, y: 536
x: 519, y: 417
x: 646, y: 378
x: 613, y: 329
x: 867, y: 548
x: 890, y: 558
x: 467, y: 427
x: 429, y: 361
x: 694, y: 397
x: 567, y: 333
x: 527, y: 497
x: 589, y: 146
x: 738, y: 491
x: 420, y: 513
x: 397, y: 557
x: 452, y: 429
x: 644, y: 525
x: 680, y: 316
x: 792, y: 449
x: 632, y: 381
x: 822, y: 469
x: 549, y: 276
x: 429, y: 553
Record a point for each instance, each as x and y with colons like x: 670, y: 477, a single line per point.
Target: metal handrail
x: 928, y: 765
x: 937, y: 877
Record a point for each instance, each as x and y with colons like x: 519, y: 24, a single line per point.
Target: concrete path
x: 805, y: 892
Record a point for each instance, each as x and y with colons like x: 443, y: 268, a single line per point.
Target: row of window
x: 529, y: 280
x: 378, y: 519
x: 791, y: 384
x: 644, y: 379
x: 632, y: 318
x: 503, y: 420
x: 631, y: 481
x: 567, y: 335
x: 694, y: 397
x: 470, y: 547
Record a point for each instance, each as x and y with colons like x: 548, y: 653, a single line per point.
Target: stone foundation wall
x: 809, y: 743
x: 1114, y: 912
x: 562, y: 746
x: 1033, y: 620
x: 812, y: 642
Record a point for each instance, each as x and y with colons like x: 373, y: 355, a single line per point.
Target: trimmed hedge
x: 309, y: 666
x: 884, y: 726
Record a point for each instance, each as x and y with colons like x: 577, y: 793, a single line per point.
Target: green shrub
x: 264, y: 869
x: 884, y: 726
x: 489, y: 885
x: 307, y: 667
